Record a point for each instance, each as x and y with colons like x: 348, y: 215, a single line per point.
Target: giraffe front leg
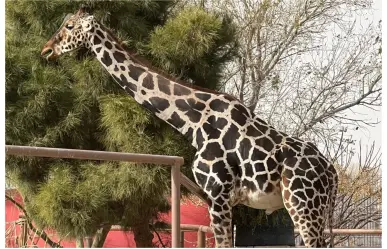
x: 221, y: 223
x: 216, y: 180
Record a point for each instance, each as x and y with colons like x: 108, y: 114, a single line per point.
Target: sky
x: 372, y: 134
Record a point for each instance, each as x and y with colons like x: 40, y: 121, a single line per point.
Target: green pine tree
x: 74, y: 103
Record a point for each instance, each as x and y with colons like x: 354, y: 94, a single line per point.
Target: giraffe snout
x: 48, y: 51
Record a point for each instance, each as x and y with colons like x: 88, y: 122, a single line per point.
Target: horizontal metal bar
x: 189, y: 227
x: 207, y: 229
x: 193, y: 187
x: 351, y: 231
x: 183, y: 227
x: 92, y: 155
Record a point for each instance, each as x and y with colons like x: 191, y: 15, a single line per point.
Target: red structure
x: 192, y: 212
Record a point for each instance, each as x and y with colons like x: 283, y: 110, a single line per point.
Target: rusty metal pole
x: 175, y: 188
x: 350, y: 231
x: 201, y: 239
x: 174, y: 161
x: 181, y: 239
x: 91, y: 155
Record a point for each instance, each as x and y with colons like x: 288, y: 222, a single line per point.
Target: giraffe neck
x: 178, y: 105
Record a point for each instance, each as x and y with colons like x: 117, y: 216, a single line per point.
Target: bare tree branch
x: 43, y: 234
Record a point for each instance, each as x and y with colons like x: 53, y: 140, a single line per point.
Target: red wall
x: 192, y: 211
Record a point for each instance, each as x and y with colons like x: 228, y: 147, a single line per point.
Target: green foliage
x: 187, y: 37
x: 127, y: 127
x: 109, y: 192
x: 74, y: 103
x: 196, y: 43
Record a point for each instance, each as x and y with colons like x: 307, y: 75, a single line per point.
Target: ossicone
x: 84, y: 9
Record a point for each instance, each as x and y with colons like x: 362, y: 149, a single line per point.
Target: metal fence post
x: 175, y: 188
x: 182, y: 239
x: 201, y: 239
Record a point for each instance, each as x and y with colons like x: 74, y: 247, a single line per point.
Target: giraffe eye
x: 69, y: 26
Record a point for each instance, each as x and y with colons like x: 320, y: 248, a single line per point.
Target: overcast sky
x: 367, y: 137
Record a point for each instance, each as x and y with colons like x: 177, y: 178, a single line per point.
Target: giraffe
x: 240, y: 158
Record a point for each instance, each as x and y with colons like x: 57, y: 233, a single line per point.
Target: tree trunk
x: 79, y: 243
x: 89, y: 242
x: 142, y: 235
x: 100, y: 236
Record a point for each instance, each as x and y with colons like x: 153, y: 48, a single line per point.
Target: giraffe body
x: 240, y: 158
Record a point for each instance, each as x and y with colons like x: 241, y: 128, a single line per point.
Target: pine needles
x: 74, y: 103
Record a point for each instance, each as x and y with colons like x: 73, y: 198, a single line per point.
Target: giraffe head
x: 71, y: 35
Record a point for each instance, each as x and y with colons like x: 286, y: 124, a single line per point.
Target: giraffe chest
x: 259, y: 199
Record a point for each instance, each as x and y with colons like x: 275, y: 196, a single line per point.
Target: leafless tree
x: 304, y: 65
x: 307, y: 67
x: 359, y: 200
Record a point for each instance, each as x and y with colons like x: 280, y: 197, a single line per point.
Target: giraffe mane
x: 137, y: 58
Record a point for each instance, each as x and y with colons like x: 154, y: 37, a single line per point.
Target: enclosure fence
x: 370, y: 236
x: 173, y: 161
x: 372, y: 211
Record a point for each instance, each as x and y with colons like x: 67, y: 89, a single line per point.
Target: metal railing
x: 175, y: 162
x: 202, y: 230
x: 177, y: 178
